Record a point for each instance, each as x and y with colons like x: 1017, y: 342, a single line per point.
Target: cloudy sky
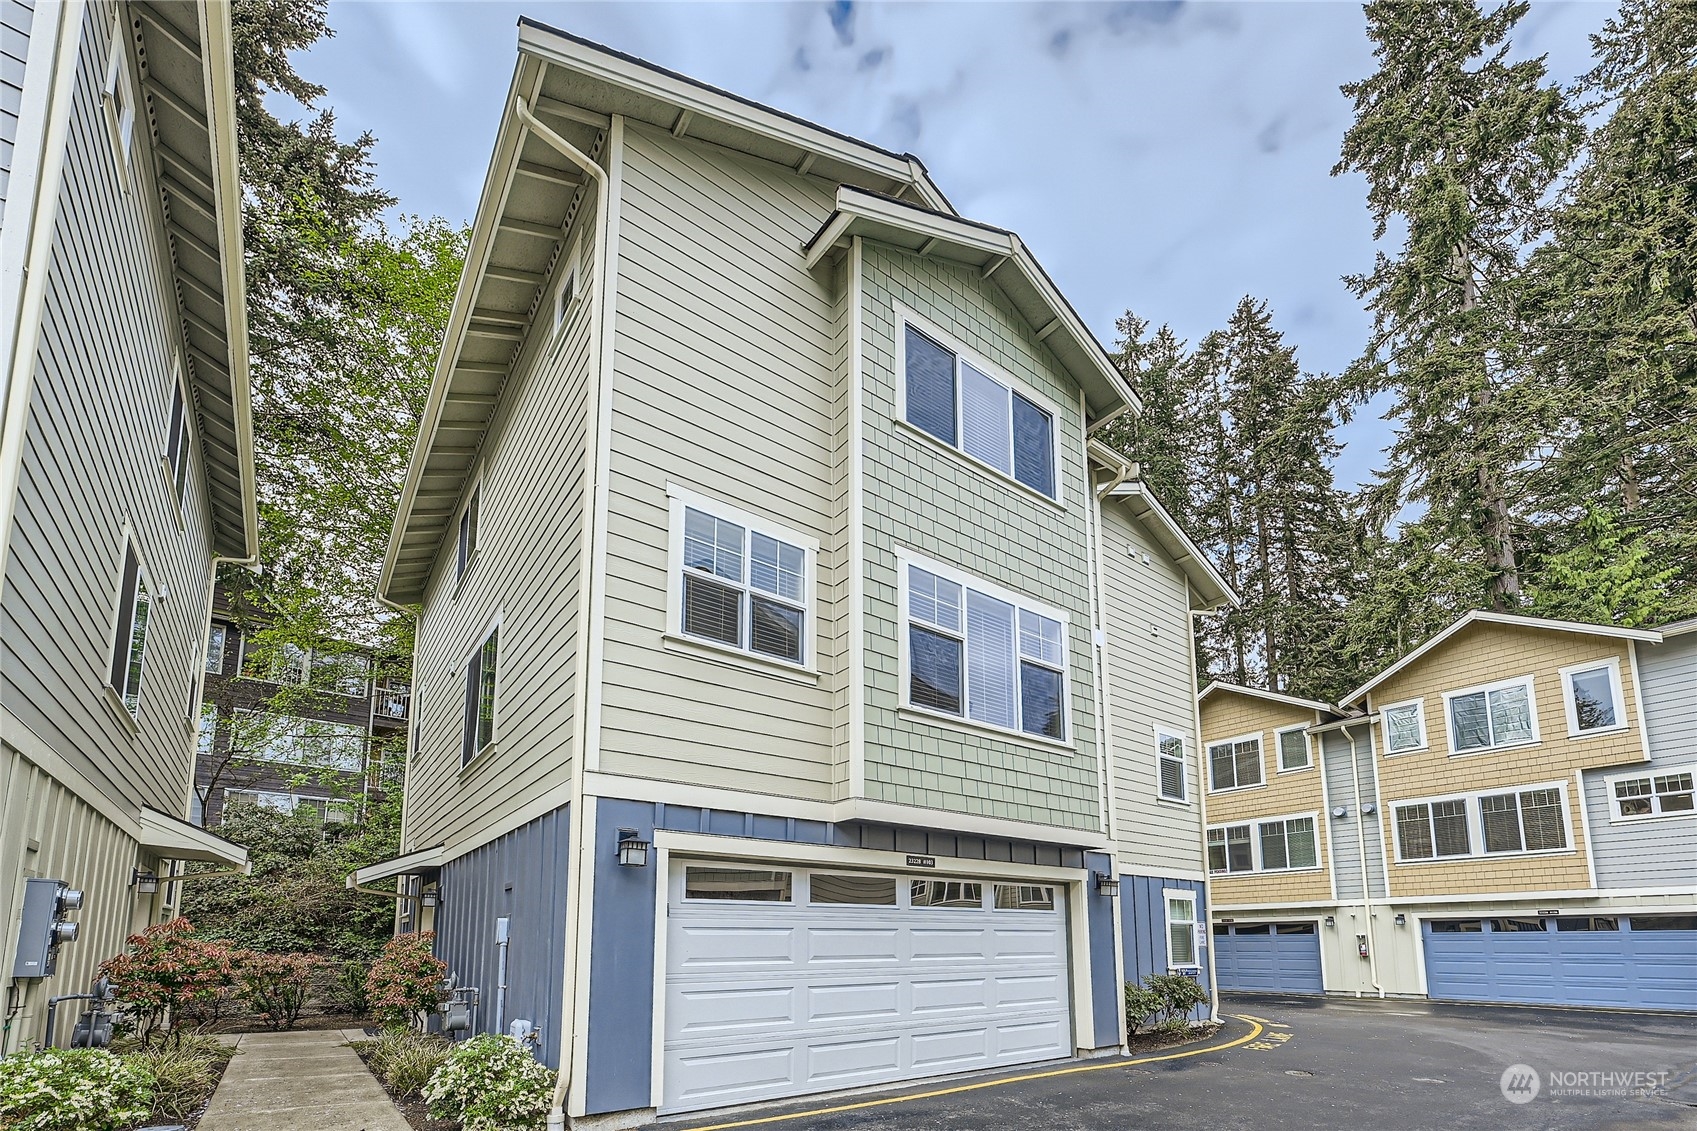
x: 1163, y: 157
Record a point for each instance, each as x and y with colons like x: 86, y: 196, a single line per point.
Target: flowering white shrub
x: 72, y: 1090
x: 491, y: 1083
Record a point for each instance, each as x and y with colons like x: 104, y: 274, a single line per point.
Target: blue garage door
x: 1623, y: 961
x: 1273, y: 958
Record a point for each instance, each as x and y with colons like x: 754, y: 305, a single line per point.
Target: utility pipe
x: 568, y: 1005
x: 1361, y: 848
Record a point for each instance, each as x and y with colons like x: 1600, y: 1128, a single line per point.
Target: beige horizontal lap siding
x: 1146, y: 614
x: 92, y: 462
x: 923, y: 498
x: 16, y: 18
x: 726, y: 386
x: 1226, y: 714
x: 1483, y: 654
x: 527, y: 572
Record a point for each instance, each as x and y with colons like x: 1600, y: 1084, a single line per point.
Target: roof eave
x: 1204, y: 579
x: 1270, y: 696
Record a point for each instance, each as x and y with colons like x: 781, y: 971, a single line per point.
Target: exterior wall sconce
x: 1401, y: 919
x: 1107, y: 885
x: 144, y: 881
x: 431, y: 898
x: 633, y: 850
x: 1331, y: 920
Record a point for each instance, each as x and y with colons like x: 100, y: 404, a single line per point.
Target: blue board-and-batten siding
x: 522, y: 876
x: 621, y: 980
x: 1143, y: 927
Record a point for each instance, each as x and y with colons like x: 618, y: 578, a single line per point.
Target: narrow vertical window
x: 129, y: 644
x: 467, y: 545
x: 930, y: 386
x: 479, y: 729
x: 177, y: 441
x: 1033, y: 446
x: 1181, y: 930
x: 215, y: 644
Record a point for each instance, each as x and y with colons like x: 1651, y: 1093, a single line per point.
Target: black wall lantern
x: 633, y: 850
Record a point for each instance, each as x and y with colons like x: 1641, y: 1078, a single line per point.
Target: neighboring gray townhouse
x: 802, y: 699
x: 126, y: 465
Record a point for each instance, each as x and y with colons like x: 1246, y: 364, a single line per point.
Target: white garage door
x: 786, y: 981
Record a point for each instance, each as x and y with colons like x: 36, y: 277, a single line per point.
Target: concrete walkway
x: 290, y: 1081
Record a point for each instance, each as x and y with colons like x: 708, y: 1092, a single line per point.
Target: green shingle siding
x: 936, y: 503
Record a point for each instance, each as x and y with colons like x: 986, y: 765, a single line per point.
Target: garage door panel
x: 773, y: 1000
x: 1644, y: 969
x: 835, y: 1005
x: 1277, y: 961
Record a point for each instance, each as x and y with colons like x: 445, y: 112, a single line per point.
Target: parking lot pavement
x: 1387, y: 1066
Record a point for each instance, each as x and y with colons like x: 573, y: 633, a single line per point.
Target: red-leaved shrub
x: 406, y: 980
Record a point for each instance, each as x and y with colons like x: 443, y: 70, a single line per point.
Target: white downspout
x: 577, y: 855
x: 1206, y: 927
x: 1366, y: 882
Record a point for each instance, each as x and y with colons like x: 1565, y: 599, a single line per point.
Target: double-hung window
x: 1235, y: 763
x: 1405, y: 727
x: 1637, y: 796
x: 955, y: 401
x: 982, y: 654
x: 1429, y: 830
x: 1182, y: 949
x: 129, y: 641
x: 741, y: 584
x: 1485, y: 718
x: 1592, y: 697
x: 1497, y: 823
x: 1169, y: 755
x: 1524, y: 821
x: 479, y: 729
x: 1230, y: 849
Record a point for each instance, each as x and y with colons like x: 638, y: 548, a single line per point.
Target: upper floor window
x: 1235, y: 763
x: 958, y: 403
x: 216, y: 641
x: 741, y: 583
x: 1527, y: 819
x: 1293, y: 749
x: 983, y: 654
x: 479, y: 729
x: 294, y: 741
x: 1637, y: 796
x: 1592, y: 696
x: 1405, y: 727
x: 129, y: 641
x: 1486, y: 718
x: 324, y: 669
x: 1276, y: 844
x: 465, y: 545
x: 118, y: 96
x: 177, y: 441
x: 1169, y: 753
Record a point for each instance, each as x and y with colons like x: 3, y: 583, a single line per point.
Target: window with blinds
x: 1169, y: 756
x: 956, y: 402
x: 741, y: 586
x: 977, y: 654
x: 1235, y: 763
x: 1531, y: 819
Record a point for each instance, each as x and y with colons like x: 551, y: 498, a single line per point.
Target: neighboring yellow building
x: 1505, y: 814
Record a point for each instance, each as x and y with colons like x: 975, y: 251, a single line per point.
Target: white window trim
x: 1419, y: 706
x: 128, y: 543
x: 1531, y: 709
x: 571, y: 275
x: 907, y: 317
x: 1261, y: 760
x: 1194, y: 922
x: 1279, y: 754
x: 1183, y: 766
x: 1646, y: 774
x: 219, y: 630
x: 491, y: 628
x: 120, y: 80
x: 474, y: 494
x: 1476, y: 824
x: 1622, y: 723
x: 963, y: 721
x: 681, y: 498
x: 1256, y: 866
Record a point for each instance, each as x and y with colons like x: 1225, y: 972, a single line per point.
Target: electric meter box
x: 43, y: 928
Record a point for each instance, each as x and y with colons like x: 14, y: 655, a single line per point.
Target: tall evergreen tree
x: 1461, y: 147
x: 1163, y: 437
x: 1618, y: 301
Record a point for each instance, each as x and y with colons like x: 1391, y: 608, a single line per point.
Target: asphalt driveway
x: 1391, y: 1066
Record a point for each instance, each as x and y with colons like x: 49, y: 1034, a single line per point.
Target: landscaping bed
x: 1157, y: 1039
x: 387, y: 1059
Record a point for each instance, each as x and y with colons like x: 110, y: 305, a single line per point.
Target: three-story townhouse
x: 126, y: 467
x: 758, y: 713
x: 1510, y: 813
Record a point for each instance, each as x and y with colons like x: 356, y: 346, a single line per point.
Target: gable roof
x: 1678, y: 628
x: 1271, y: 697
x: 1481, y: 616
x: 188, y: 73
x: 1210, y: 587
x: 998, y: 255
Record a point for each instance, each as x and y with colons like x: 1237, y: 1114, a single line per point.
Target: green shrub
x: 405, y: 1060
x: 1141, y: 1006
x: 167, y: 976
x: 1163, y: 1003
x: 184, y: 1073
x: 73, y: 1090
x: 406, y: 980
x: 491, y: 1083
x: 343, y: 989
x: 276, y: 986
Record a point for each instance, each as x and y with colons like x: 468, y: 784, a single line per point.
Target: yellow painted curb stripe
x: 1255, y: 1031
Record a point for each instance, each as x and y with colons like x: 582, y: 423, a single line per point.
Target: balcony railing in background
x: 391, y: 704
